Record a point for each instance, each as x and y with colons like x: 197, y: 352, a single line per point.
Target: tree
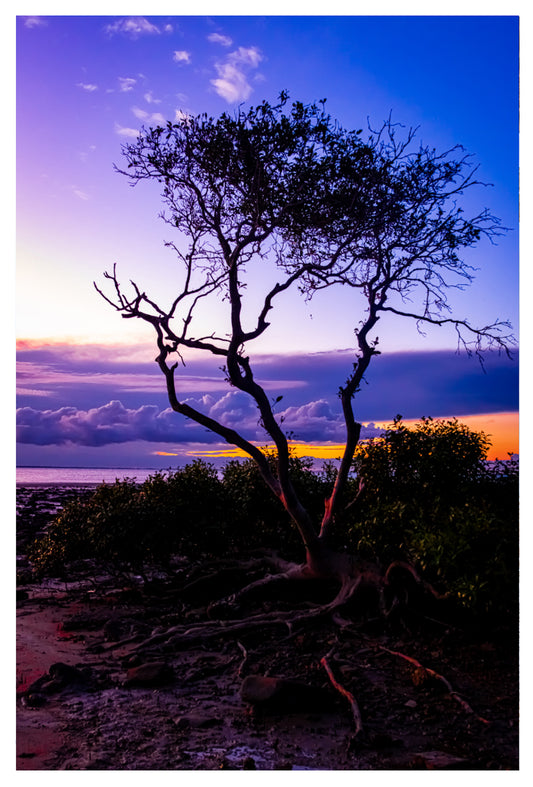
x: 286, y: 186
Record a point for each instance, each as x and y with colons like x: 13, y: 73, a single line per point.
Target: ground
x: 431, y: 695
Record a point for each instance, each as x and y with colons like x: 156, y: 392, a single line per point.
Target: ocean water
x: 66, y: 476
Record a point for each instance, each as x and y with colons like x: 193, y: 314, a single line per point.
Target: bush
x: 429, y: 498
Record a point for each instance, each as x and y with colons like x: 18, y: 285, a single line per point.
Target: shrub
x: 431, y: 498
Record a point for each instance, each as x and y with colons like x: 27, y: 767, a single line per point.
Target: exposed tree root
x: 184, y: 635
x: 427, y: 671
x: 345, y: 693
x: 353, y: 576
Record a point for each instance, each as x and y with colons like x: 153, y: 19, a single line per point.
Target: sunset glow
x: 501, y: 428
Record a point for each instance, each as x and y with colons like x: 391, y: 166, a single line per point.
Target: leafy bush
x: 429, y: 497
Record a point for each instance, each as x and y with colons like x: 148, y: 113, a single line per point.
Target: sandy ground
x: 195, y: 719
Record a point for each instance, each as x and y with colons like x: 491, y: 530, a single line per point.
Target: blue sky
x: 86, y: 84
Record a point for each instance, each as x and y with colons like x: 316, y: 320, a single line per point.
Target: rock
x: 283, y: 696
x: 33, y: 700
x: 437, y: 760
x: 197, y: 721
x: 156, y: 673
x: 60, y: 676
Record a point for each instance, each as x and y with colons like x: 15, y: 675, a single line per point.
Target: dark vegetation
x: 427, y: 497
x: 285, y: 190
x: 408, y: 544
x: 186, y: 672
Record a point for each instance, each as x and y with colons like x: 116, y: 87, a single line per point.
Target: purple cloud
x: 111, y: 423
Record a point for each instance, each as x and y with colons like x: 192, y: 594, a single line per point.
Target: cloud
x: 181, y: 56
x: 80, y: 194
x: 35, y: 21
x: 146, y: 117
x: 133, y: 27
x: 124, y: 131
x: 218, y: 38
x: 232, y: 82
x: 149, y: 98
x: 126, y: 84
x: 437, y: 384
x: 111, y: 423
x: 89, y: 88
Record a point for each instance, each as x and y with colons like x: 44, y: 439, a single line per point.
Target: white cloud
x: 35, y: 21
x: 87, y: 87
x: 181, y: 56
x: 149, y: 98
x: 232, y: 83
x: 79, y: 193
x: 218, y: 38
x: 133, y: 27
x: 155, y: 117
x: 123, y: 131
x: 126, y: 84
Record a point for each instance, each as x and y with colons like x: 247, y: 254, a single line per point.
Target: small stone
x: 33, y: 701
x: 411, y: 704
x: 437, y: 760
x: 282, y: 695
x: 156, y: 673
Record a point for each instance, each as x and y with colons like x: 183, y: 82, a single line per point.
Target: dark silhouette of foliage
x: 287, y: 189
x: 462, y: 534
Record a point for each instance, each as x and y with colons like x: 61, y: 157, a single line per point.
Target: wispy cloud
x: 149, y: 98
x: 89, y: 88
x: 147, y: 117
x: 218, y: 38
x: 133, y: 27
x: 35, y: 21
x: 232, y: 81
x: 80, y: 194
x: 126, y: 84
x: 181, y: 56
x: 124, y: 131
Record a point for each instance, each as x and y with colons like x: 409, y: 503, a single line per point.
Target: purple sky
x: 88, y: 390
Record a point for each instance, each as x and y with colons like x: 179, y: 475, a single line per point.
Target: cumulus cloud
x: 132, y: 27
x: 232, y: 81
x: 313, y: 421
x: 181, y: 56
x: 218, y: 38
x: 111, y: 423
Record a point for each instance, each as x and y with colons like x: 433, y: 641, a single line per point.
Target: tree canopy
x: 286, y: 185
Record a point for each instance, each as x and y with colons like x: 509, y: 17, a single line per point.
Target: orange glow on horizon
x: 501, y: 428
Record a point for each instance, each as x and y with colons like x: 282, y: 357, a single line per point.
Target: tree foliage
x: 285, y: 187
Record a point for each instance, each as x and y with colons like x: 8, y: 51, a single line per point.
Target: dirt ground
x: 430, y: 695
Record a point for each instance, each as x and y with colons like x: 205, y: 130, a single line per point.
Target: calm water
x: 58, y: 476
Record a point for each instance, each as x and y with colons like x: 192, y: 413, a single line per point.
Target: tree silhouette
x: 285, y: 187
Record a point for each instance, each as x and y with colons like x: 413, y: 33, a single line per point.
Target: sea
x: 79, y: 476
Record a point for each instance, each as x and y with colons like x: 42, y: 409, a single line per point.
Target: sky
x: 88, y: 390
